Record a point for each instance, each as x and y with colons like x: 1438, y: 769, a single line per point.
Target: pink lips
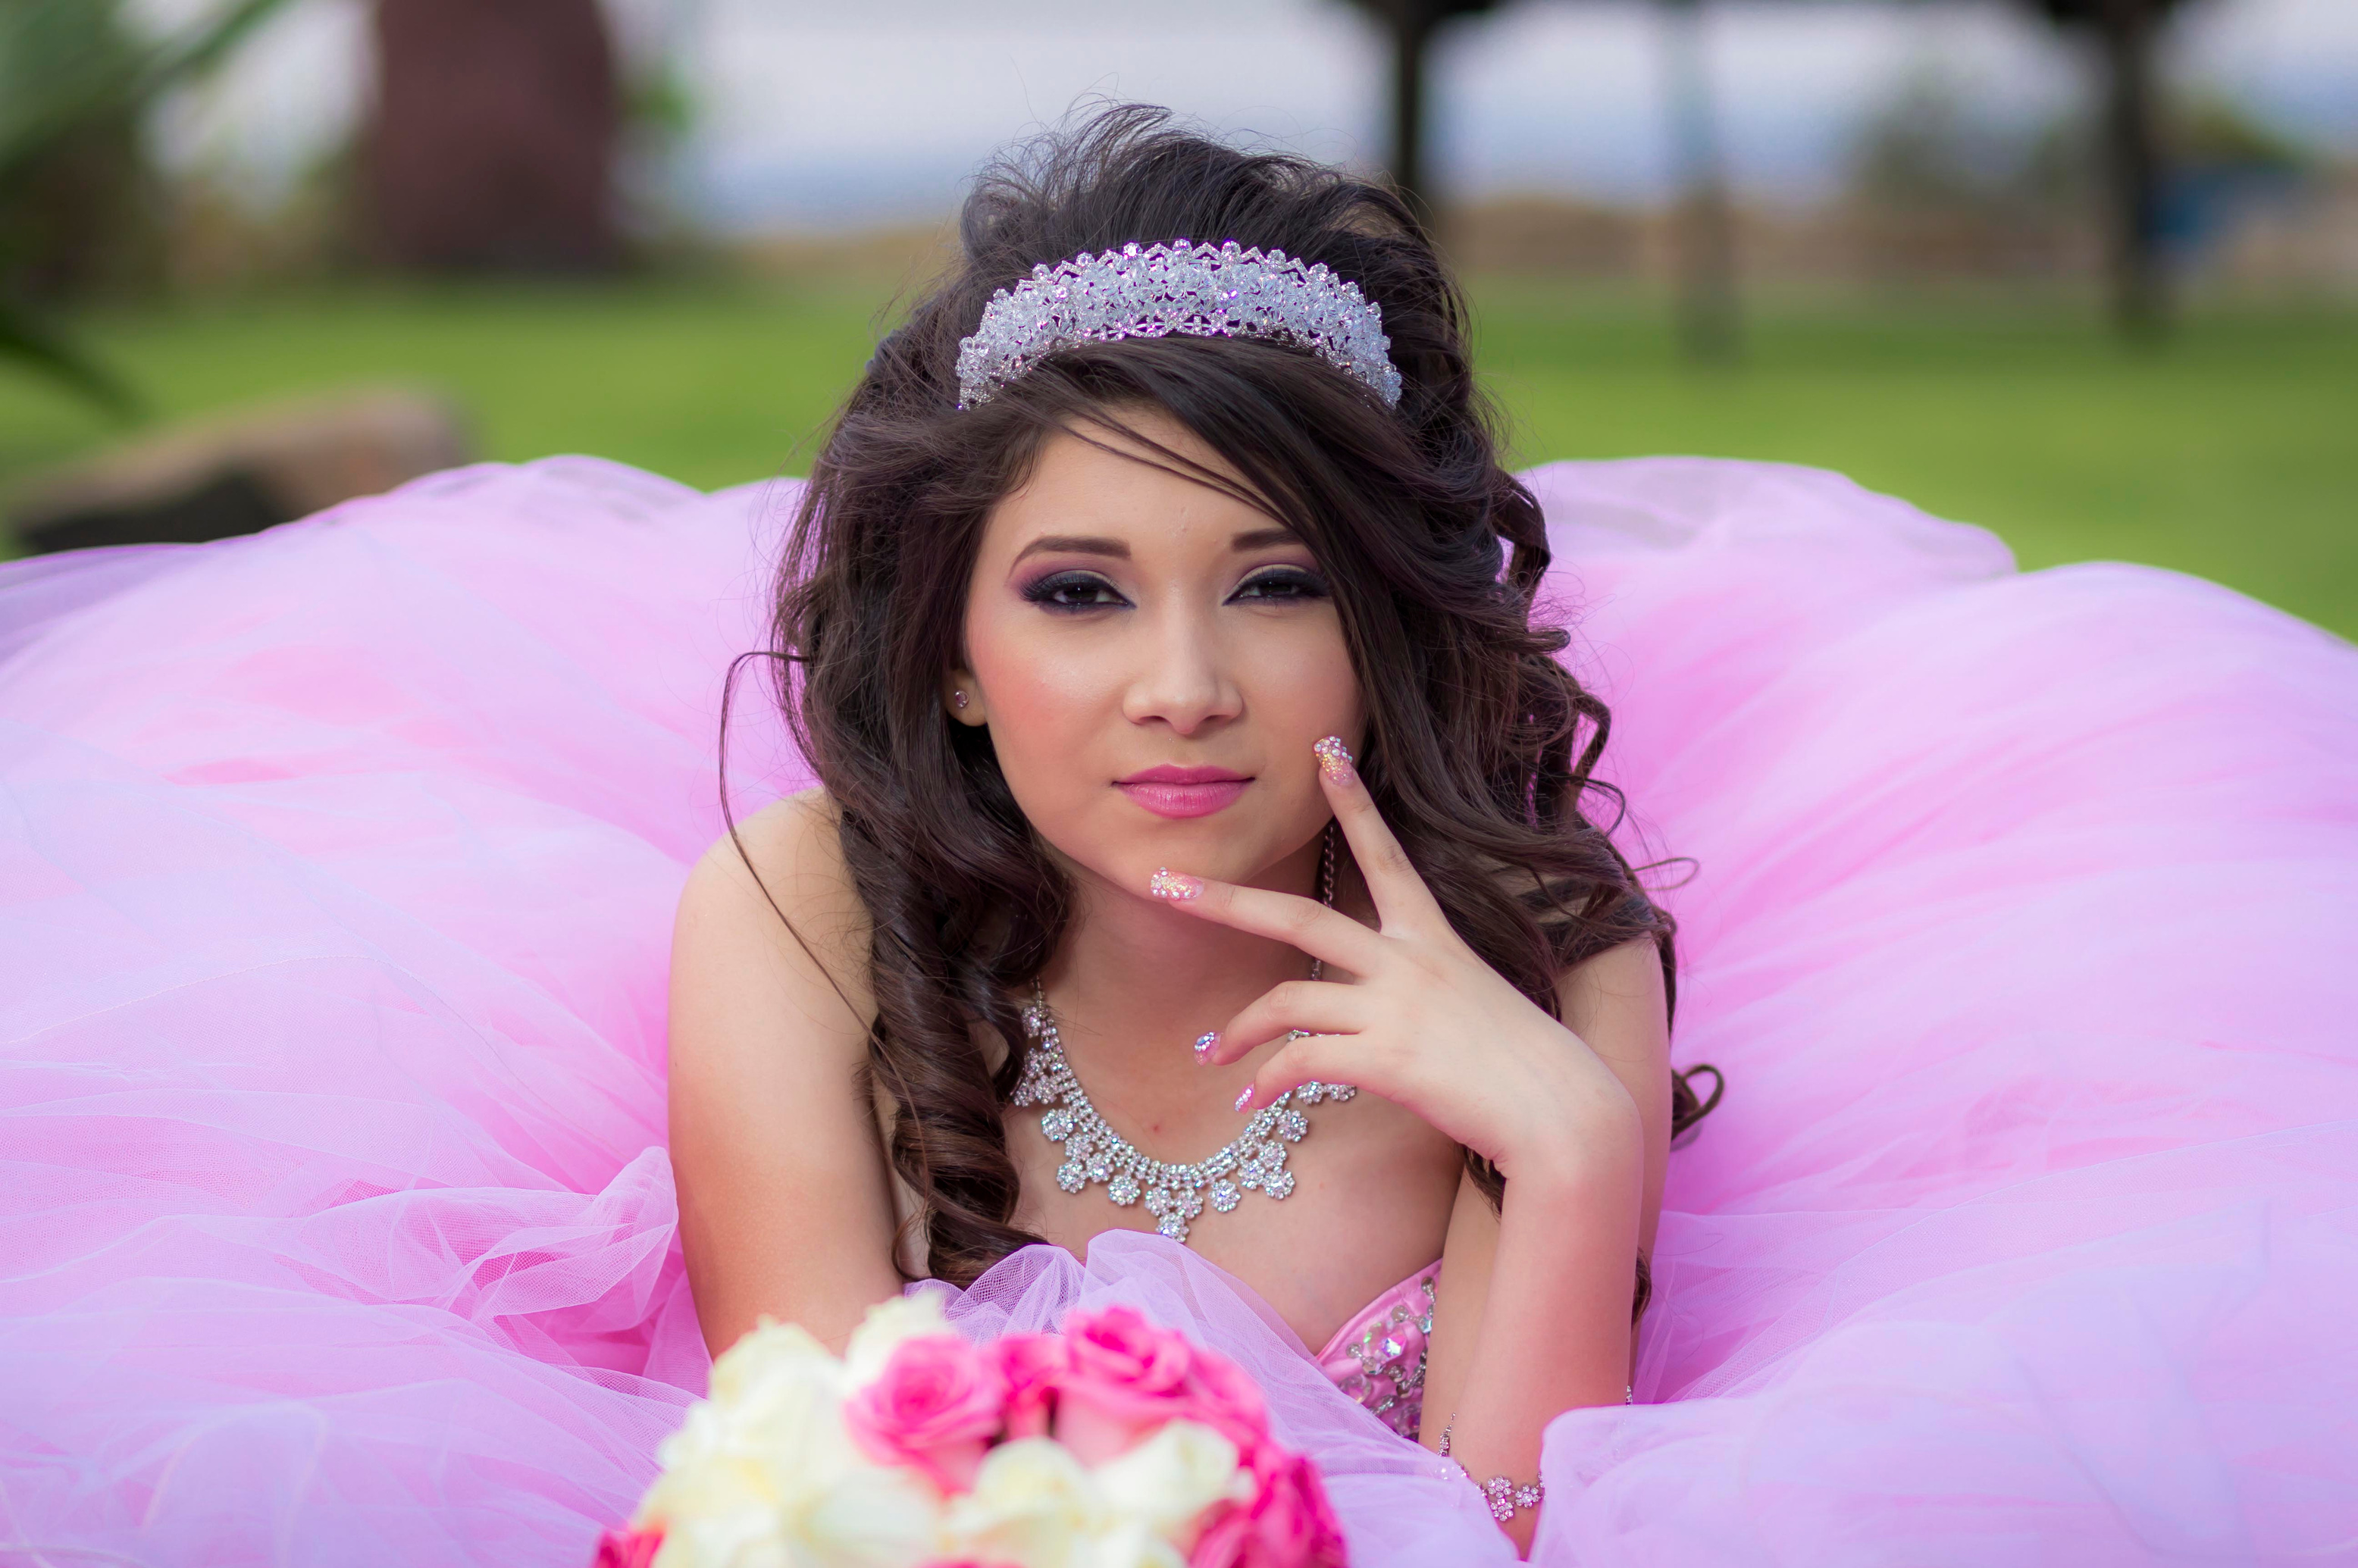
x: 1171, y: 791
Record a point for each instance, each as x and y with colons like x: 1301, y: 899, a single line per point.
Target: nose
x: 1181, y: 678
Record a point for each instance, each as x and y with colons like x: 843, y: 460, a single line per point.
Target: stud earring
x: 959, y: 697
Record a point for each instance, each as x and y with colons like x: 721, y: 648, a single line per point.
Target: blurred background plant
x: 79, y: 199
x: 324, y: 245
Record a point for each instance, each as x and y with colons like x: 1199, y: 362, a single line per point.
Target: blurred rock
x: 492, y: 144
x: 238, y: 473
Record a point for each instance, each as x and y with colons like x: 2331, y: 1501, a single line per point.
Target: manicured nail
x: 1244, y: 1101
x: 1205, y: 1042
x: 1334, y: 760
x: 1176, y: 886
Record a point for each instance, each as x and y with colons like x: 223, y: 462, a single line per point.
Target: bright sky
x: 816, y: 114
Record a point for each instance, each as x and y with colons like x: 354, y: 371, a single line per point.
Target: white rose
x: 1173, y: 1476
x: 889, y: 1323
x: 772, y: 1350
x: 795, y: 1420
x: 871, y: 1518
x: 1127, y: 1544
x: 755, y: 1458
x: 785, y: 1415
x: 725, y: 1495
x: 792, y: 1502
x: 719, y: 1514
x: 1032, y: 1505
x: 763, y: 1474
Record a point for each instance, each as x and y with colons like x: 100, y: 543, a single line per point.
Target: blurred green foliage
x: 76, y: 81
x: 2230, y: 456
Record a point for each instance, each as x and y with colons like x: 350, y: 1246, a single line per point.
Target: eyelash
x: 1045, y: 591
x: 1301, y: 584
x: 1298, y: 583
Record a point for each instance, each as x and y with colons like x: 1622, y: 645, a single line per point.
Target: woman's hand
x: 1424, y: 1021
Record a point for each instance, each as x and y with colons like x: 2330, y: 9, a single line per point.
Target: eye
x: 1283, y: 585
x: 1072, y: 590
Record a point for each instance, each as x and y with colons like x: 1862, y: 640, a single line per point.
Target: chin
x: 1125, y: 846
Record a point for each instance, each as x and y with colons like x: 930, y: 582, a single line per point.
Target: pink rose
x: 1227, y: 1402
x: 935, y: 1407
x: 1126, y: 1378
x: 1288, y: 1524
x: 1097, y: 1432
x: 1123, y: 1360
x: 1034, y: 1366
x: 628, y: 1548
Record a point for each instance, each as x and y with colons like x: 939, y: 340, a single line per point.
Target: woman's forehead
x: 1104, y: 491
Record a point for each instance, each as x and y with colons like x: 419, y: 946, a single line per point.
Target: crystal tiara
x: 1194, y: 290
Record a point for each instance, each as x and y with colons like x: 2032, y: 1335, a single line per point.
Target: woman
x: 340, y: 867
x: 1112, y: 655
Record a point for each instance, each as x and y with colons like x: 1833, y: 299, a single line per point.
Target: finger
x: 1302, y: 923
x: 1325, y: 1058
x: 1402, y: 901
x: 1316, y: 1007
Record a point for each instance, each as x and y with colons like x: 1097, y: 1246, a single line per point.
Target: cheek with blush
x: 1051, y: 718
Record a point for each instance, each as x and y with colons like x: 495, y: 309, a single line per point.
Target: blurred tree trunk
x: 493, y: 143
x: 2126, y: 34
x: 1412, y: 24
x: 1411, y: 38
x: 2133, y: 165
x: 1705, y: 225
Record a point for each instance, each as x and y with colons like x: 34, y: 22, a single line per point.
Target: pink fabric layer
x: 337, y: 866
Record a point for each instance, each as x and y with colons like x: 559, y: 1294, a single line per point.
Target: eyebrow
x: 1076, y: 543
x: 1087, y: 544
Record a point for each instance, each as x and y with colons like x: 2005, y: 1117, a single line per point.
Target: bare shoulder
x: 791, y: 842
x: 778, y: 891
x: 1615, y: 999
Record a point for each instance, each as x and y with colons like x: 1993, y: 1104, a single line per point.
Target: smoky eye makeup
x: 1072, y: 589
x: 1283, y: 585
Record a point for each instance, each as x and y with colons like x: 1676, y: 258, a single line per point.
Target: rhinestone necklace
x: 1174, y: 1194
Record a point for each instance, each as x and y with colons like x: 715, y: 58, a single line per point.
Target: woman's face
x: 1154, y: 660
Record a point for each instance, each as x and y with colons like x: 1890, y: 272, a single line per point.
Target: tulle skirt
x: 337, y: 867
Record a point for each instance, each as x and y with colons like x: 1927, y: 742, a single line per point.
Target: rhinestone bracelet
x: 1505, y: 1497
x: 1500, y: 1491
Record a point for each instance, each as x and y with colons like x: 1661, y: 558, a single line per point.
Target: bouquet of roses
x: 1112, y: 1444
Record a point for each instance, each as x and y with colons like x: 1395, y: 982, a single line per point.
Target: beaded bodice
x: 1378, y: 1357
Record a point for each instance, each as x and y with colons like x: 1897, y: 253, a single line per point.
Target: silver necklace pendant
x: 1174, y: 1194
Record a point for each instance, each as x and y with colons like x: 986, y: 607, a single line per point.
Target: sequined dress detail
x: 1378, y: 1357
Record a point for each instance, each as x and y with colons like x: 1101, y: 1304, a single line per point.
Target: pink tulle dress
x: 337, y: 871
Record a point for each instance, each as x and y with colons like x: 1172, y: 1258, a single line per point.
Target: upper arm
x: 1616, y: 1003
x: 786, y: 1203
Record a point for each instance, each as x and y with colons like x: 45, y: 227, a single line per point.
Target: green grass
x: 2231, y: 451
x: 712, y: 386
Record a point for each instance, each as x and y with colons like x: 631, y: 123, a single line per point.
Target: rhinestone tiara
x: 1193, y: 290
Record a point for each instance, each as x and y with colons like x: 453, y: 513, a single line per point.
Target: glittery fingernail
x: 1178, y: 887
x: 1244, y: 1101
x: 1205, y: 1042
x: 1334, y: 760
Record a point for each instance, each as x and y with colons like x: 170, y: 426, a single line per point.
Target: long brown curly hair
x: 1480, y: 748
